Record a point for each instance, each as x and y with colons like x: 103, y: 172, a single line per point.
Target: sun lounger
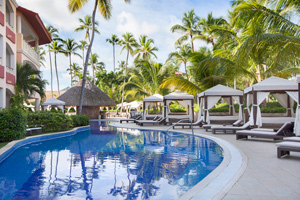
x: 284, y: 148
x: 197, y: 123
x: 292, y: 139
x: 232, y: 129
x: 284, y: 131
x: 157, y: 122
x: 131, y: 120
x: 236, y: 123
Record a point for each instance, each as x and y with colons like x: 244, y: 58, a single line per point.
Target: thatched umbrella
x: 92, y: 100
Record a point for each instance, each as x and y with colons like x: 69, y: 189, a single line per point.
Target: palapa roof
x: 273, y: 84
x: 221, y: 90
x: 93, y: 96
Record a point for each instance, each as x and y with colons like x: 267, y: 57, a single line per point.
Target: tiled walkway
x: 266, y: 176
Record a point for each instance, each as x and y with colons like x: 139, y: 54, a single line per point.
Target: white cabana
x: 150, y: 102
x: 185, y: 100
x: 29, y: 106
x: 210, y: 97
x: 54, y: 102
x: 281, y: 88
x: 134, y: 105
x: 297, y: 119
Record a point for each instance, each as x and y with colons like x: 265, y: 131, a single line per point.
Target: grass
x: 2, y: 144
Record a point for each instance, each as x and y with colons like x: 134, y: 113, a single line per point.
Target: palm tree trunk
x: 71, y: 69
x: 87, y: 58
x: 51, y: 73
x: 93, y: 73
x: 187, y: 75
x: 192, y: 44
x: 114, y: 57
x: 123, y: 90
x: 82, y: 57
x: 56, y: 73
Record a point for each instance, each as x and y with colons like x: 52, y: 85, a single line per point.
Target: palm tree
x: 42, y: 54
x: 83, y: 45
x: 70, y: 47
x: 53, y: 32
x: 96, y: 64
x: 182, y: 55
x: 56, y: 47
x: 76, y: 70
x: 29, y: 81
x: 87, y: 26
x: 113, y: 40
x: 128, y: 42
x: 145, y: 50
x: 189, y: 28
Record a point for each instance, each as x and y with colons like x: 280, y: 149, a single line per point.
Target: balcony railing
x: 10, y: 70
x: 31, y: 52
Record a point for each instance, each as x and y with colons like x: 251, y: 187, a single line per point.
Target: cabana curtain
x: 200, y: 109
x: 211, y: 101
x: 184, y: 103
x: 282, y: 99
x: 260, y: 98
x: 237, y: 99
x: 294, y: 96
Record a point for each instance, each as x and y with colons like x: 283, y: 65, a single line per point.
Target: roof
x: 154, y: 98
x: 37, y: 24
x: 273, y: 84
x: 178, y: 95
x: 53, y: 101
x: 221, y: 90
x: 93, y: 96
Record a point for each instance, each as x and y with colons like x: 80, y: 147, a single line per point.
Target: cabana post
x: 148, y: 102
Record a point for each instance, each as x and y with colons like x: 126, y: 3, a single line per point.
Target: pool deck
x: 261, y: 176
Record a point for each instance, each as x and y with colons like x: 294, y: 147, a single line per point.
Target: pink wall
x: 10, y: 35
x: 1, y: 71
x: 10, y: 79
x: 1, y: 18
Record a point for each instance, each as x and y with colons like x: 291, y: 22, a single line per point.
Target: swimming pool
x: 109, y: 163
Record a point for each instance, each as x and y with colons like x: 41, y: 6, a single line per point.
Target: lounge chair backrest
x: 156, y: 118
x: 238, y: 122
x: 286, y: 128
x: 246, y: 125
x: 161, y: 119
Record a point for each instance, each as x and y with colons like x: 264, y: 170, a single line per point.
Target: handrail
x: 187, y: 119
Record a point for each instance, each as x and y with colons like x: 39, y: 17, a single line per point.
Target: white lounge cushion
x: 262, y: 129
x: 289, y: 144
x: 250, y: 132
x: 292, y: 139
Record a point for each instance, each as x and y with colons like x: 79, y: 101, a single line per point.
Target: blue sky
x: 153, y: 18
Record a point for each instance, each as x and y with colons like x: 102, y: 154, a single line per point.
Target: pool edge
x: 218, y: 183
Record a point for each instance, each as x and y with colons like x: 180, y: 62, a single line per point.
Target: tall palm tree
x: 128, y: 42
x: 56, y: 47
x: 87, y: 25
x: 96, y: 64
x: 70, y: 47
x: 42, y: 54
x: 83, y: 46
x: 29, y: 81
x: 188, y: 28
x: 105, y: 10
x: 76, y: 70
x: 53, y: 32
x: 145, y: 49
x: 182, y: 55
x: 113, y: 40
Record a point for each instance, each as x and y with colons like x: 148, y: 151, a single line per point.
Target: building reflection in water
x: 105, y: 161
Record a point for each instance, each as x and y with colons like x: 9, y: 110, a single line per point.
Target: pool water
x: 109, y: 163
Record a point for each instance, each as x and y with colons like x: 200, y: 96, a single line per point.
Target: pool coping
x: 218, y: 183
x: 8, y: 149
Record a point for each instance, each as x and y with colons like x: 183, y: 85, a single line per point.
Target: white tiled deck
x: 264, y: 175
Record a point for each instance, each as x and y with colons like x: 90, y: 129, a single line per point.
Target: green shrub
x: 13, y: 123
x: 72, y: 109
x: 52, y: 121
x: 177, y: 108
x: 80, y: 120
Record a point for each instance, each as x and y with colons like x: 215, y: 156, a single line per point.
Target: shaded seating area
x: 199, y: 123
x: 153, y: 101
x: 285, y: 131
x: 185, y: 100
x: 210, y: 97
x: 282, y: 89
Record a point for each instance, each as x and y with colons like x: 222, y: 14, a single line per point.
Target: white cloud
x: 128, y: 23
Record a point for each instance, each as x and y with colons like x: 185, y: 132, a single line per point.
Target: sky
x: 153, y: 18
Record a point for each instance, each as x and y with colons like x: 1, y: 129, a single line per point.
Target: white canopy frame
x: 54, y: 102
x: 210, y: 97
x: 150, y: 102
x: 184, y: 99
x: 258, y: 92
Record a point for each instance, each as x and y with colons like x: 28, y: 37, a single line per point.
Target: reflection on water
x: 109, y: 163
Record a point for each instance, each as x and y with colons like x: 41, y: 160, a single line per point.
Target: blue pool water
x: 109, y: 163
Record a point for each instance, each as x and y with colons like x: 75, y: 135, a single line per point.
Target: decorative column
x: 254, y: 107
x: 19, y: 24
x: 37, y: 104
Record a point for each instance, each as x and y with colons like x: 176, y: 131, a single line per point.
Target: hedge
x: 13, y: 123
x: 52, y: 121
x: 80, y: 120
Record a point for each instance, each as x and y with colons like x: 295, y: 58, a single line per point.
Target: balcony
x: 30, y: 52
